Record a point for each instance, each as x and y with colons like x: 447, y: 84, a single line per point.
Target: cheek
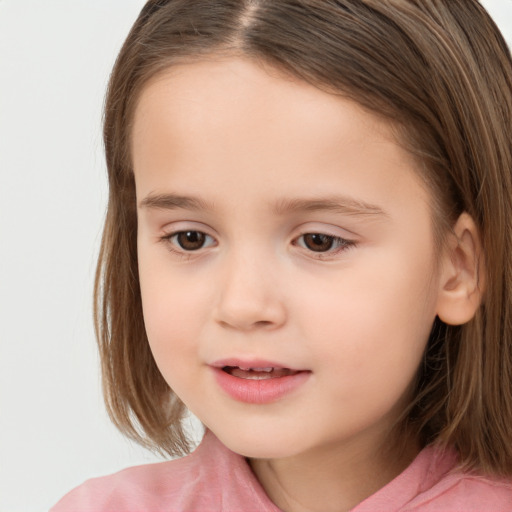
x: 173, y: 319
x: 174, y: 308
x: 375, y: 318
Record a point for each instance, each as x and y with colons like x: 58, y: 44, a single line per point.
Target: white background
x: 55, y: 57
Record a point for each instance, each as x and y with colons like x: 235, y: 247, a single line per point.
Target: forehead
x: 225, y: 122
x: 200, y: 95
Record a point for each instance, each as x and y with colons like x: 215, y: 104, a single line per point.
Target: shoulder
x: 211, y: 478
x: 434, y: 483
x: 463, y: 492
x: 456, y: 490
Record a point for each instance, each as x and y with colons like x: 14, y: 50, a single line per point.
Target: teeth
x: 255, y: 376
x: 258, y: 373
x: 267, y: 370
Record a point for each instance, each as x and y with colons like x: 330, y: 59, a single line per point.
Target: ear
x: 462, y: 274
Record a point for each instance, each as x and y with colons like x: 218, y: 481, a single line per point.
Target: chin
x: 259, y: 445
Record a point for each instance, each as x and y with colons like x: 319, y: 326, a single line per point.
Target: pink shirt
x: 213, y: 478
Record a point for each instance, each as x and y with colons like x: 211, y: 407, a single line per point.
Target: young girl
x: 309, y: 245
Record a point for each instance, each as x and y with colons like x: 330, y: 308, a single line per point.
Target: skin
x: 246, y: 140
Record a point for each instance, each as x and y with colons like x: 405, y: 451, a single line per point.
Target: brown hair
x: 442, y: 73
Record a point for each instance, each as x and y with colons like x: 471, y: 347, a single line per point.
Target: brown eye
x: 190, y: 240
x: 317, y: 242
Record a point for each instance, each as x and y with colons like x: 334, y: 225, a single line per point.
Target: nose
x: 250, y: 296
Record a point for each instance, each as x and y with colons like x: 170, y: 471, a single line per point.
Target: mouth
x: 258, y: 382
x: 258, y: 373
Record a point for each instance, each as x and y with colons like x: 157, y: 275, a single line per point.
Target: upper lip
x: 250, y: 364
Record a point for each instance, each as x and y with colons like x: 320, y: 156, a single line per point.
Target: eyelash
x: 168, y: 239
x: 341, y: 244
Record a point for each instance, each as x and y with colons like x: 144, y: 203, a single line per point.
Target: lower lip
x: 259, y: 391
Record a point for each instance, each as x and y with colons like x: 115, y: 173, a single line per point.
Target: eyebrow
x: 337, y: 204
x: 174, y: 202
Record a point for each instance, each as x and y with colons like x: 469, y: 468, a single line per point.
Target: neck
x: 334, y: 478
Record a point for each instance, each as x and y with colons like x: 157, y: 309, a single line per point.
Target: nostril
x: 263, y: 323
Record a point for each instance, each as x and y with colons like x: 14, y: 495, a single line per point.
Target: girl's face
x: 283, y: 228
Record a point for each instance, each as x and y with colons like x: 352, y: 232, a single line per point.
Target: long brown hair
x: 441, y: 72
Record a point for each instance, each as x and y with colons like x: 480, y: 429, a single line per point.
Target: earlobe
x: 462, y: 274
